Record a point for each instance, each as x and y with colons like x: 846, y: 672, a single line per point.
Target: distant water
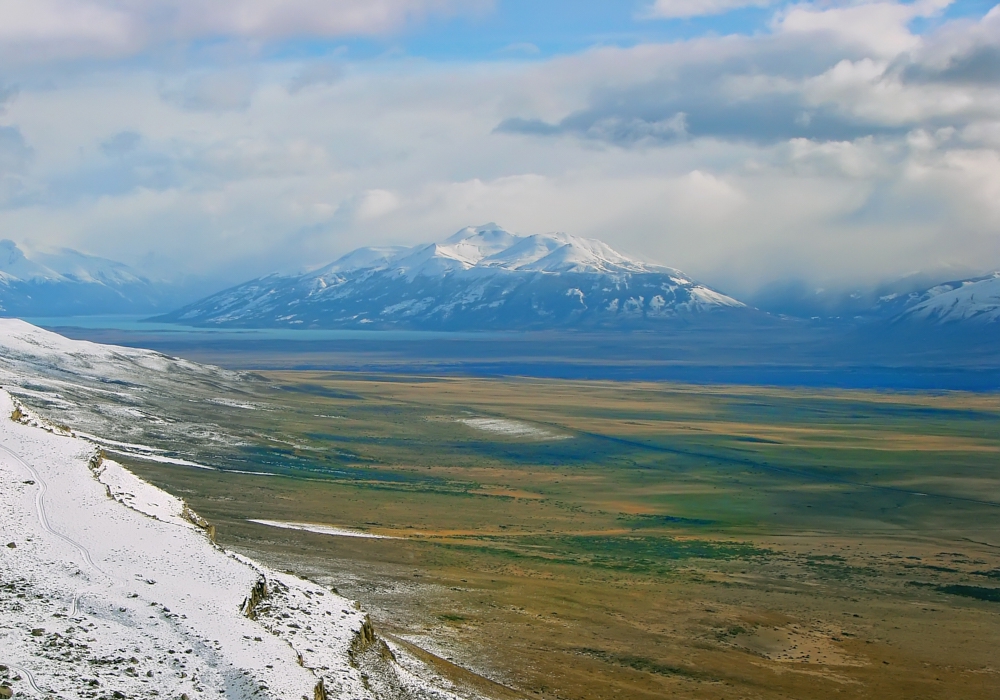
x: 801, y: 354
x: 138, y: 325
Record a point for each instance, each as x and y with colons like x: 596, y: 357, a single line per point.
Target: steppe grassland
x: 636, y: 540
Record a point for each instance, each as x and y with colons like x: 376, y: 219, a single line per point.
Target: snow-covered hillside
x: 109, y: 587
x: 480, y: 278
x: 68, y: 282
x: 975, y: 300
x: 123, y: 395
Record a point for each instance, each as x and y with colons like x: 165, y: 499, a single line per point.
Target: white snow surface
x: 113, y: 586
x: 490, y: 247
x: 320, y: 529
x: 61, y: 266
x: 511, y: 428
x: 361, y: 259
x: 975, y: 300
x: 25, y: 345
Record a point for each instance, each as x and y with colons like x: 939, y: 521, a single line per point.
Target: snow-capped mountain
x: 71, y: 283
x: 975, y: 300
x: 480, y: 278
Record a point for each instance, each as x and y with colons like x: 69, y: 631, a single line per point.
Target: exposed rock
x: 199, y: 521
x: 257, y: 595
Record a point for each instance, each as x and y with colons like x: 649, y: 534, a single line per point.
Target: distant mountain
x: 68, y: 283
x: 919, y: 298
x: 480, y: 278
x: 970, y: 301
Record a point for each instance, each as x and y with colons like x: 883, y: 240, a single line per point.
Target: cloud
x: 121, y: 143
x: 968, y: 54
x: 324, y: 72
x: 673, y: 9
x: 15, y: 156
x: 374, y: 204
x: 215, y: 91
x: 803, y: 148
x: 14, y: 151
x: 816, y: 77
x: 34, y: 30
x: 881, y: 28
x: 7, y: 94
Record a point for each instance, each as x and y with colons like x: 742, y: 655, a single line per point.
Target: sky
x: 746, y: 142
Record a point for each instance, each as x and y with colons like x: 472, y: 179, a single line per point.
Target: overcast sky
x: 743, y: 141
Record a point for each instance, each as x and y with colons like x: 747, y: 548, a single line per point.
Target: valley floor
x: 565, y: 540
x: 592, y: 540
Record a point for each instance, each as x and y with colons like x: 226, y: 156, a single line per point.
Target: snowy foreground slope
x: 129, y: 401
x: 111, y: 588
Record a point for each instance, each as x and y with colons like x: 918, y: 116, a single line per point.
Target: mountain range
x: 488, y: 278
x: 67, y: 283
x: 480, y: 278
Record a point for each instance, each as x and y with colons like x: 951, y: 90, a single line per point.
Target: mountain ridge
x: 67, y: 282
x: 482, y: 277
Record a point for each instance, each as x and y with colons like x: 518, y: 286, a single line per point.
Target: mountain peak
x: 68, y: 282
x: 486, y: 231
x: 9, y: 252
x: 481, y: 277
x: 976, y: 299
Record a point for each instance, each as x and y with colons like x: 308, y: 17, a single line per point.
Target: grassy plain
x: 572, y: 539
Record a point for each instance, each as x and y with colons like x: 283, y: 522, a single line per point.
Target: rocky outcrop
x: 199, y: 521
x: 258, y: 594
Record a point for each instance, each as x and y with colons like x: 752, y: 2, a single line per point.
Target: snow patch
x: 321, y: 529
x: 511, y: 428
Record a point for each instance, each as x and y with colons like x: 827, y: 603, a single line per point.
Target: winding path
x: 27, y: 674
x: 44, y: 522
x: 43, y: 516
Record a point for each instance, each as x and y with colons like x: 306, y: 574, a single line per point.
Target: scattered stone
x: 37, y: 632
x: 5, y: 692
x: 11, y: 545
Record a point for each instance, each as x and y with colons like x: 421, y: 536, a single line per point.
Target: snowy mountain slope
x: 112, y: 588
x: 480, y: 278
x: 974, y: 300
x: 128, y: 401
x: 80, y: 267
x: 69, y: 282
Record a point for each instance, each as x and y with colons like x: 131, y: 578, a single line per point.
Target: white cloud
x: 41, y: 29
x: 217, y: 90
x: 673, y: 9
x: 54, y: 29
x: 881, y: 28
x: 374, y: 204
x: 739, y: 159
